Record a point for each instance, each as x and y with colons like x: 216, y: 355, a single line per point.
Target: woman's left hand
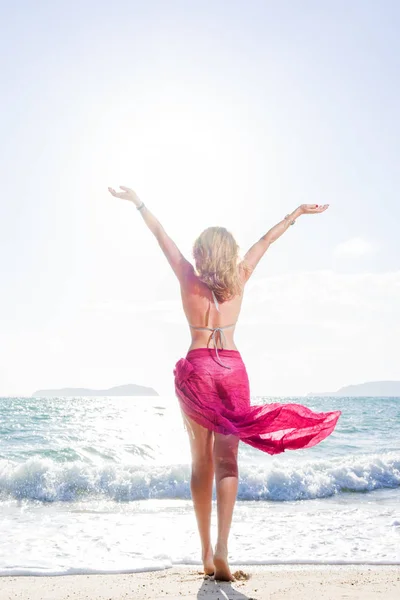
x: 127, y: 194
x: 312, y: 209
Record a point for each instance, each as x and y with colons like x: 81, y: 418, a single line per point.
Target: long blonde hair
x: 216, y: 255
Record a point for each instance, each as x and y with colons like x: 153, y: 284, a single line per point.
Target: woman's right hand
x: 127, y: 194
x: 311, y: 209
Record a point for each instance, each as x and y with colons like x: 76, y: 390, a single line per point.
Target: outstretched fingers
x: 122, y: 195
x: 314, y: 208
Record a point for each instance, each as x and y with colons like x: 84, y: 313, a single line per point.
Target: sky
x: 216, y: 113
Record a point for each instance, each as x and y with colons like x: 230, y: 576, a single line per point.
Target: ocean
x: 101, y: 485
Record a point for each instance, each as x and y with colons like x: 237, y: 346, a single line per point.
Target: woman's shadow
x: 213, y: 590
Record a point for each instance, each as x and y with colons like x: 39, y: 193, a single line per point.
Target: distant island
x: 120, y: 390
x: 370, y: 388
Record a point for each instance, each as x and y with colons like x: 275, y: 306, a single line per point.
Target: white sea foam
x: 156, y: 534
x: 138, y: 568
x: 168, y: 564
x: 103, y: 481
x: 46, y: 480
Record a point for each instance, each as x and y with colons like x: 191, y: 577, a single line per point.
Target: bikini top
x: 217, y: 333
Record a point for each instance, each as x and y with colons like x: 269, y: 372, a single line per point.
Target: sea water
x: 101, y: 484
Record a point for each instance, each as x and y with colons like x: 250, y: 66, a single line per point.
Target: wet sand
x: 275, y: 582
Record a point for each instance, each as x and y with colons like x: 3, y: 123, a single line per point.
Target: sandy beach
x: 299, y: 582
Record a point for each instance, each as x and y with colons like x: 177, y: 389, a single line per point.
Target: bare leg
x: 201, y: 483
x: 226, y: 478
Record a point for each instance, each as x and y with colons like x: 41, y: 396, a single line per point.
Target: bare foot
x: 222, y: 570
x: 208, y: 562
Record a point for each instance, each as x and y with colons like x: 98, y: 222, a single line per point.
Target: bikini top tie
x: 217, y: 334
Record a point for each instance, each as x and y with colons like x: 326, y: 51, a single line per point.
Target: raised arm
x: 257, y: 251
x: 178, y: 262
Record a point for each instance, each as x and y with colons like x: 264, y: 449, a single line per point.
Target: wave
x: 49, y: 481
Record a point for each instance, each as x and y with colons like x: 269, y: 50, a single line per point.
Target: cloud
x: 355, y: 247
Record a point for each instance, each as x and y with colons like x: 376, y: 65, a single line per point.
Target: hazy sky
x: 216, y: 113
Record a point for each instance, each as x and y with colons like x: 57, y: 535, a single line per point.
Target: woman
x: 211, y: 382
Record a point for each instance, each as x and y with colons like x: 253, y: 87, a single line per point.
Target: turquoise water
x: 105, y: 481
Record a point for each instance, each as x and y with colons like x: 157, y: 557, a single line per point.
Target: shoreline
x: 279, y: 581
x: 196, y: 566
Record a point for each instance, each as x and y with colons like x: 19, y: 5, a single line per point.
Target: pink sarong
x: 218, y: 398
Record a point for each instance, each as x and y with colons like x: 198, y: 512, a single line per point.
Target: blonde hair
x: 216, y: 256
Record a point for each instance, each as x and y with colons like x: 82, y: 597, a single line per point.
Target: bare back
x: 201, y: 311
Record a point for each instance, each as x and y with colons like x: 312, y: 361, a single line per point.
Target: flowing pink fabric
x: 219, y: 399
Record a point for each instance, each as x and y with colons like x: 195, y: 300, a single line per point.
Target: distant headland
x: 370, y: 388
x: 120, y: 390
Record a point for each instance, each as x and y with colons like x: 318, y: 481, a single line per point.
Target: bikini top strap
x: 215, y: 301
x: 212, y: 328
